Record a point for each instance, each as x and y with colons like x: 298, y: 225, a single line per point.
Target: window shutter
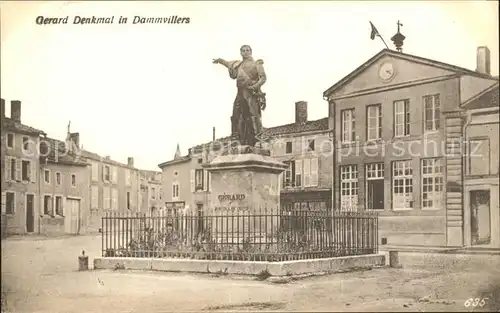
x: 298, y: 173
x: 192, y: 181
x: 280, y: 183
x: 209, y: 181
x: 52, y: 206
x: 18, y: 169
x: 108, y: 198
x: 41, y: 209
x: 105, y: 198
x: 63, y: 204
x: 34, y: 172
x: 113, y: 199
x: 7, y: 169
x: 104, y: 173
x: 4, y: 198
x: 314, y: 172
x: 205, y: 182
x: 307, y: 172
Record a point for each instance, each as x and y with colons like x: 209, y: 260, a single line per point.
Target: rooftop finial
x: 398, y: 38
x: 177, y: 152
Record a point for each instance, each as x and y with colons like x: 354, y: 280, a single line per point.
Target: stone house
x: 113, y: 188
x: 64, y: 189
x: 481, y: 179
x: 305, y: 145
x: 20, y: 173
x: 396, y: 128
x: 307, y: 148
x: 151, y: 191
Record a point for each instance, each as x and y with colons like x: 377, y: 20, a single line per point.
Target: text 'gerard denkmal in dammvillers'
x: 173, y: 19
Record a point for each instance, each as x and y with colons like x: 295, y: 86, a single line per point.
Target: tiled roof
x: 175, y: 161
x: 488, y: 99
x: 221, y: 140
x: 321, y: 124
x: 97, y: 157
x: 292, y: 128
x: 59, y: 153
x: 149, y: 175
x: 10, y: 124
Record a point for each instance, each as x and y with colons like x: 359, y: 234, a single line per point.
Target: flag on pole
x: 374, y: 32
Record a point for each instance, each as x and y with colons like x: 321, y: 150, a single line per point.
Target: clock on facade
x: 386, y: 71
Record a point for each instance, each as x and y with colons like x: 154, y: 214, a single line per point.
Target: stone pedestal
x: 244, y: 184
x: 246, y: 178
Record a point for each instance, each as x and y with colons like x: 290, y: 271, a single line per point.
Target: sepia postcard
x: 250, y: 156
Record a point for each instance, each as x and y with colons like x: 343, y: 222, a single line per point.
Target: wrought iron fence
x: 229, y: 235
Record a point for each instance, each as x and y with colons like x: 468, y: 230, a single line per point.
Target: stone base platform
x: 286, y: 268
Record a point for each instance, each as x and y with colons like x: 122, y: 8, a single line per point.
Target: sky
x: 138, y: 90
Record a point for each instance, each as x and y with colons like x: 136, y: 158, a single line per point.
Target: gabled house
x: 481, y: 177
x: 307, y: 148
x: 151, y: 191
x: 398, y: 130
x: 64, y: 188
x: 20, y: 173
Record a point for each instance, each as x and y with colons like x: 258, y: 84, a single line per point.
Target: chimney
x: 300, y: 112
x: 483, y: 60
x: 130, y: 161
x: 15, y: 110
x: 2, y: 104
x: 75, y: 137
x: 213, y: 133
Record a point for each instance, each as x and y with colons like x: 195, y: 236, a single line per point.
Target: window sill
x: 431, y: 209
x: 52, y: 216
x: 401, y: 209
x: 348, y: 144
x: 374, y: 142
x: 431, y: 132
x: 405, y: 137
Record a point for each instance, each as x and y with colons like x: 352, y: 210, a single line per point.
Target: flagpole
x: 375, y: 32
x: 383, y: 41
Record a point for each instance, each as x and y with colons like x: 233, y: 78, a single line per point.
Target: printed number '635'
x: 474, y: 302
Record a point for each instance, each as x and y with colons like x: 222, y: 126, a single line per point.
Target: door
x: 375, y: 200
x: 72, y: 216
x: 30, y: 213
x: 480, y: 217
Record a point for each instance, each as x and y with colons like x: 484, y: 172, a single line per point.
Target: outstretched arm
x: 221, y: 61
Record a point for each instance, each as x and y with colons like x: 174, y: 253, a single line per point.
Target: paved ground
x: 39, y: 275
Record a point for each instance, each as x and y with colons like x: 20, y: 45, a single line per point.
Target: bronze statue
x: 246, y: 124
